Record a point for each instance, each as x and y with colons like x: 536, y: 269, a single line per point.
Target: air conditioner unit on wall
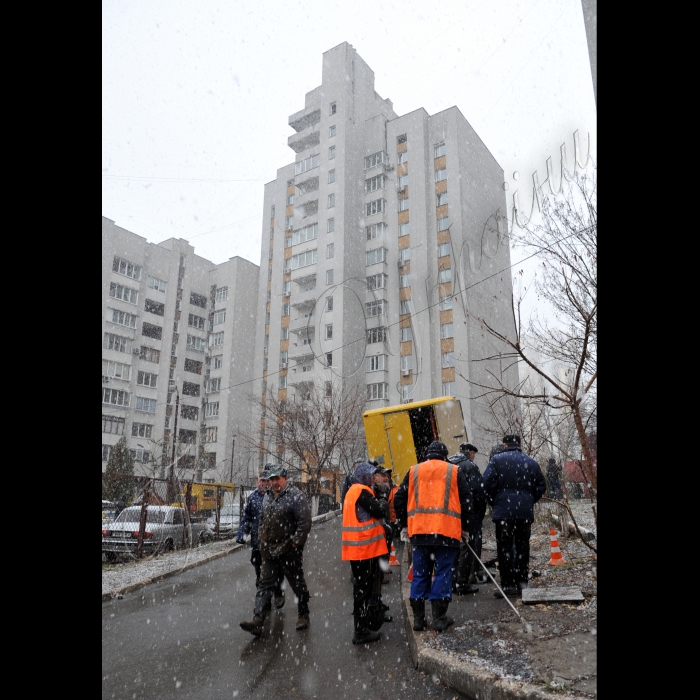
x: 135, y: 351
x: 283, y: 365
x: 405, y: 372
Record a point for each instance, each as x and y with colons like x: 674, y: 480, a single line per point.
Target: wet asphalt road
x: 180, y: 638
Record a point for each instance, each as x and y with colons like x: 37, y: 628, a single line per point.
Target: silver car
x: 230, y: 516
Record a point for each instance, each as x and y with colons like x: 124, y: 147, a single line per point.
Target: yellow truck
x: 203, y: 497
x: 398, y: 436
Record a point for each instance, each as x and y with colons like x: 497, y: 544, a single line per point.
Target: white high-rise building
x: 379, y: 238
x: 175, y: 324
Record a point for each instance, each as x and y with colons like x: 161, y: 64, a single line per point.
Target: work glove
x: 465, y: 536
x: 404, y: 535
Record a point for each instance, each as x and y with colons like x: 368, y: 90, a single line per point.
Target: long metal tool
x: 488, y: 573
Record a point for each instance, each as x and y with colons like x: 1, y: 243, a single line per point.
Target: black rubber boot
x: 418, y: 607
x: 363, y: 635
x: 254, y: 626
x: 440, y: 619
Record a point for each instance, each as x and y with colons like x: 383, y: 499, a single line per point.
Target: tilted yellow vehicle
x: 398, y: 436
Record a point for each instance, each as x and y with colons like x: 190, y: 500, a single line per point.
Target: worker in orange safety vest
x: 363, y: 543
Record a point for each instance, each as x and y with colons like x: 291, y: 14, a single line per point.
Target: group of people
x: 438, y: 508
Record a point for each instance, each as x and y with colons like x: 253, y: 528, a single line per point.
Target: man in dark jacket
x: 513, y: 483
x: 465, y: 565
x: 249, y: 526
x: 436, y: 515
x: 284, y: 527
x: 554, y: 479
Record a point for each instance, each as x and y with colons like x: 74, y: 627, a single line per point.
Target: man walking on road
x: 249, y: 526
x: 513, y: 483
x: 435, y: 501
x: 284, y: 528
x: 363, y: 544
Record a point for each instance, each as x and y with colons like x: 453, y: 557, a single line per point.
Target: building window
x: 307, y: 367
x: 142, y: 430
x: 376, y: 363
x: 403, y: 180
x: 216, y: 339
x: 173, y: 350
x: 404, y: 281
x: 448, y: 359
x: 375, y: 308
x: 445, y: 275
x: 375, y: 207
x: 145, y: 405
x: 283, y: 381
x: 149, y: 354
x: 330, y: 248
x: 331, y: 132
x: 407, y: 362
x: 376, y: 335
x: 290, y: 223
x: 284, y: 333
x: 271, y: 254
x: 212, y: 409
x: 440, y: 150
x: 446, y: 302
x: 331, y: 201
x: 212, y: 386
x: 146, y: 379
x: 106, y: 452
x: 210, y: 434
x: 193, y: 366
x: 113, y: 425
x: 195, y: 321
x: 403, y: 204
x: 218, y: 361
x: 194, y: 343
x: 189, y: 412
x: 405, y: 306
x: 189, y: 437
x: 329, y: 331
x: 117, y: 370
x: 404, y: 254
x: 115, y: 397
x: 307, y: 164
x: 406, y: 334
x: 375, y: 159
x: 443, y: 249
x: 154, y: 307
x: 151, y: 331
x: 441, y: 174
x: 443, y: 224
x: 272, y: 211
x: 375, y: 230
x: 272, y: 233
x: 198, y: 300
x: 377, y: 391
x: 307, y: 233
x: 374, y: 183
x: 404, y: 229
x: 400, y: 139
x: 329, y: 276
x: 287, y: 288
x: 331, y: 153
x: 290, y: 199
x: 219, y: 316
x: 333, y: 108
x: 402, y: 158
x: 446, y: 331
x: 329, y: 359
x: 442, y: 199
x: 376, y: 255
x: 116, y: 342
x: 448, y: 388
x: 190, y: 389
x: 285, y: 309
x: 124, y: 267
x: 331, y: 176
x: 176, y: 327
x: 158, y: 285
x: 329, y: 303
x: 122, y: 318
x: 378, y: 281
x: 117, y: 291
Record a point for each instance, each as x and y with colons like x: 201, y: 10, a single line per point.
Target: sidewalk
x: 490, y: 654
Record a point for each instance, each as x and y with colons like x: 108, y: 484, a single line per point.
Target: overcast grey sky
x: 196, y: 96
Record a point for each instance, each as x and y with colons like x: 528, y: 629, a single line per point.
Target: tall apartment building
x: 379, y: 238
x: 175, y: 323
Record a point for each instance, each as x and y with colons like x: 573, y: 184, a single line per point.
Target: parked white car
x: 164, y: 531
x: 229, y: 517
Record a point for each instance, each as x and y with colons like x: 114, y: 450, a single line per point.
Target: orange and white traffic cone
x: 556, y: 558
x: 410, y: 574
x: 393, y: 561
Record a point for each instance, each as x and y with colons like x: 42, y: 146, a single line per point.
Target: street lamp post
x: 173, y: 461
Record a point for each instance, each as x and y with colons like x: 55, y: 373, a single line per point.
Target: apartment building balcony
x: 306, y: 282
x: 301, y: 382
x: 306, y: 117
x: 308, y: 138
x: 304, y: 301
x: 304, y: 326
x: 311, y: 184
x: 299, y: 353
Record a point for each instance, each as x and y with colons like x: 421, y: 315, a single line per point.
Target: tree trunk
x: 585, y: 448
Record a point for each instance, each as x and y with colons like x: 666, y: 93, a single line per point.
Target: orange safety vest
x: 433, y: 500
x: 390, y: 500
x: 361, y: 540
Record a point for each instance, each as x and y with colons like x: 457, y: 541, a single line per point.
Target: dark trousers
x: 366, y: 586
x: 513, y: 546
x: 289, y: 566
x: 256, y: 561
x: 466, y: 564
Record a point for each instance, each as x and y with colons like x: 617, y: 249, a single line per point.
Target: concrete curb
x: 465, y: 677
x: 117, y: 592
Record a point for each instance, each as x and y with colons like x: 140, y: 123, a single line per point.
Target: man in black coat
x: 513, y: 483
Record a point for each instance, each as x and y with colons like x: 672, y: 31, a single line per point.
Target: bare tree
x: 562, y: 353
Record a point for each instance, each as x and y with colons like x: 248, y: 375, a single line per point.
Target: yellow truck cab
x: 203, y: 497
x: 398, y: 436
